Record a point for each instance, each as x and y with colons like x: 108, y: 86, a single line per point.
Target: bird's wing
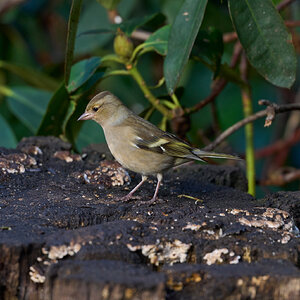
x: 150, y: 138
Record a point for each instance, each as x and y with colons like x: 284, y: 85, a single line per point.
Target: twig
x: 147, y: 93
x: 229, y: 37
x: 232, y: 36
x: 114, y: 16
x: 291, y: 23
x: 278, y: 146
x: 217, y: 89
x: 281, y: 177
x: 8, y: 4
x: 140, y: 35
x: 219, y: 84
x: 282, y: 5
x: 240, y: 124
x: 270, y: 111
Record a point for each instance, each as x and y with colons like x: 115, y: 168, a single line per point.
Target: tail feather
x: 203, y: 154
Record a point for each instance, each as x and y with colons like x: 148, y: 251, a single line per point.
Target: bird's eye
x: 95, y: 108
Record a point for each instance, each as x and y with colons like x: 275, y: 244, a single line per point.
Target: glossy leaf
x: 265, y: 39
x: 72, y: 31
x: 127, y: 26
x: 69, y: 113
x: 31, y: 76
x: 82, y: 71
x: 224, y: 71
x: 28, y: 104
x: 131, y: 25
x: 97, y: 31
x: 71, y: 126
x: 209, y: 47
x: 91, y: 82
x: 52, y: 123
x: 181, y: 39
x: 158, y: 41
x: 90, y: 133
x: 94, y: 17
x: 7, y: 136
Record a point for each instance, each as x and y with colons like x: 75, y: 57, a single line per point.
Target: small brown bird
x: 137, y: 144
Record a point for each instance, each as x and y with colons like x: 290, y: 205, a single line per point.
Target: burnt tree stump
x: 63, y: 234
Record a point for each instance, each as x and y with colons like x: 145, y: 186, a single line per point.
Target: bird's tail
x: 204, y: 154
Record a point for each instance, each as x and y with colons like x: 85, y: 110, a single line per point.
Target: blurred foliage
x: 55, y: 55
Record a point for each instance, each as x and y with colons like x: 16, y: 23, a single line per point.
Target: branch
x: 6, y: 5
x: 291, y: 23
x: 133, y: 71
x: 278, y: 146
x: 219, y: 84
x: 232, y: 36
x: 282, y: 5
x: 141, y: 35
x: 258, y: 115
x: 281, y: 177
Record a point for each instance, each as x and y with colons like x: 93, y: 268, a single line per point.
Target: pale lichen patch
x: 164, y: 252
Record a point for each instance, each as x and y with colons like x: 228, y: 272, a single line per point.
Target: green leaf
x: 82, y: 71
x: 158, y: 41
x: 28, y: 104
x: 7, y: 136
x: 209, y: 47
x: 265, y: 39
x: 72, y: 29
x: 90, y: 133
x: 33, y: 77
x: 224, y: 71
x: 73, y: 126
x: 182, y: 36
x: 69, y: 113
x: 127, y: 26
x: 52, y: 123
x: 77, y: 106
x: 93, y: 17
x: 131, y: 25
x: 91, y: 82
x: 97, y: 31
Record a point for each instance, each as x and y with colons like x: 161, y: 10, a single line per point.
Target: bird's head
x: 101, y: 108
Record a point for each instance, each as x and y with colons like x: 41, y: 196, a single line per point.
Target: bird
x: 137, y: 144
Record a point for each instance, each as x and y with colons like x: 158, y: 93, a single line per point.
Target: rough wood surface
x: 64, y: 235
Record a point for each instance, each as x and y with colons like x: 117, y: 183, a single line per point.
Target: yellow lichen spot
x: 129, y: 293
x: 174, y: 285
x: 195, y: 277
x: 247, y: 254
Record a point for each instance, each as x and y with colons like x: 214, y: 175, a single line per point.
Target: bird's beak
x: 85, y: 116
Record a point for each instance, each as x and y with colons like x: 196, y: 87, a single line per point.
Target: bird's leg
x: 154, y: 198
x: 129, y: 196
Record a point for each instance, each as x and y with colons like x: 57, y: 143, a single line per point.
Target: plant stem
x: 72, y: 30
x: 163, y: 124
x: 260, y: 114
x: 175, y: 100
x: 154, y: 101
x: 248, y: 110
x: 250, y: 155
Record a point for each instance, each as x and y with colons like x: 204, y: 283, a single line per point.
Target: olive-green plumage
x: 137, y: 144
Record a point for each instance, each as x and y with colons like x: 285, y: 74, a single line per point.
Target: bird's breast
x: 136, y: 159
